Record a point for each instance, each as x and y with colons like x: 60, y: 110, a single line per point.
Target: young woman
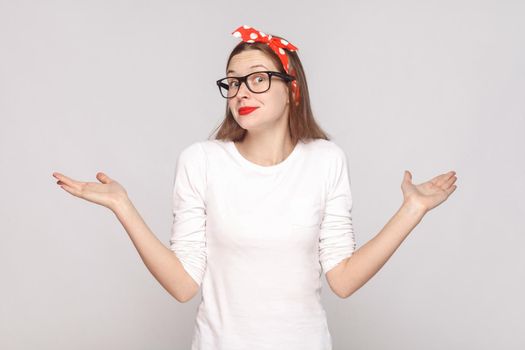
x: 261, y: 210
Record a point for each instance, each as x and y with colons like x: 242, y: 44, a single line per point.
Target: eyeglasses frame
x: 286, y: 77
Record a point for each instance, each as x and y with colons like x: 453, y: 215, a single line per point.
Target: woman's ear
x: 296, y: 92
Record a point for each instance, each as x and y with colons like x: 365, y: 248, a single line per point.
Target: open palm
x: 106, y: 193
x: 430, y: 194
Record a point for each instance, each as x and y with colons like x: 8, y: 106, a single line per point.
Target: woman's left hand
x: 430, y: 194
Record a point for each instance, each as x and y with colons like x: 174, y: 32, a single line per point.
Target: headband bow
x: 278, y: 45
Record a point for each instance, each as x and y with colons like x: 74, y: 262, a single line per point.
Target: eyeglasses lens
x: 257, y: 82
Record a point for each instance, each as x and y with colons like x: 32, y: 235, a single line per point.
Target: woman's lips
x: 246, y: 110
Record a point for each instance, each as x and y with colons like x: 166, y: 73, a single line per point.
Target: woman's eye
x: 258, y: 78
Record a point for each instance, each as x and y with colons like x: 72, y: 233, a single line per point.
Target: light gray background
x: 122, y: 87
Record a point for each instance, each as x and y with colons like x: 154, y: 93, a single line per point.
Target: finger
x: 71, y: 190
x: 408, y: 175
x: 68, y: 181
x: 451, y: 189
x: 441, y: 179
x: 449, y: 182
x: 103, y: 178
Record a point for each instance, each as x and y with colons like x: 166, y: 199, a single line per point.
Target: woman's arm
x: 353, y: 272
x: 159, y: 259
x: 365, y: 262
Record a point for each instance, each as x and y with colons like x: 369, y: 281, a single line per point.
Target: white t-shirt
x: 257, y: 238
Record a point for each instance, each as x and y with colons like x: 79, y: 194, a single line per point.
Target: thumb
x: 103, y: 178
x: 408, y: 176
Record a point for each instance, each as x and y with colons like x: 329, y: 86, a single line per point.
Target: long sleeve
x: 337, y: 239
x: 188, y: 232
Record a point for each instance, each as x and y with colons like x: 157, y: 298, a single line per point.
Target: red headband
x: 250, y: 35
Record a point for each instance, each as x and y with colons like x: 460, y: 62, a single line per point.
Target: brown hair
x: 301, y: 121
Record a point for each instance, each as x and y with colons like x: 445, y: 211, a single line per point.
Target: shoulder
x: 193, y: 151
x: 331, y: 158
x: 192, y: 155
x: 204, y: 150
x: 206, y: 147
x: 327, y: 150
x: 213, y: 146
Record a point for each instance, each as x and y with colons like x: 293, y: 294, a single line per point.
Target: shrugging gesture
x: 107, y: 193
x: 430, y: 194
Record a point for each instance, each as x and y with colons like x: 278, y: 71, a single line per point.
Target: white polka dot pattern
x: 251, y: 35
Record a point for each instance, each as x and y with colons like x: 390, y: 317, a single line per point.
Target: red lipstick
x: 246, y: 110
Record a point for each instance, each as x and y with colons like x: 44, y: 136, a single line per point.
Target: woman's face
x: 272, y: 105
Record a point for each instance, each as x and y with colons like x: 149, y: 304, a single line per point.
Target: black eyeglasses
x: 257, y: 82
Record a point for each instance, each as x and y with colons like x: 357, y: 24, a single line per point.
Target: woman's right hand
x: 108, y: 193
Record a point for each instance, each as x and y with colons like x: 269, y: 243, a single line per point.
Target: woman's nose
x: 243, y: 90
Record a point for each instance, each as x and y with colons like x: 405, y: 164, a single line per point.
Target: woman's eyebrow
x: 255, y: 66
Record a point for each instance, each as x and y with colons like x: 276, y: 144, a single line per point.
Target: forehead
x: 244, y: 62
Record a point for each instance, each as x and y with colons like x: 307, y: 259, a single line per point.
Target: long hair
x: 301, y: 121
